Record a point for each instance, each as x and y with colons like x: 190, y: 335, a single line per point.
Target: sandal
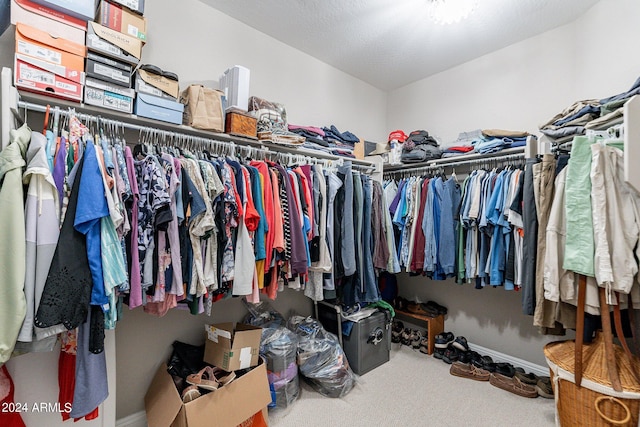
x: 513, y: 385
x: 205, y: 379
x: 190, y: 393
x: 224, y: 377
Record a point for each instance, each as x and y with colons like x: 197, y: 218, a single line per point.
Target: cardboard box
x: 84, y: 10
x: 232, y: 349
x: 156, y: 85
x: 161, y: 109
x: 143, y: 87
x: 103, y: 94
x: 122, y: 19
x: 34, y: 79
x: 240, y: 123
x: 72, y: 75
x: 54, y: 28
x: 226, y: 407
x: 109, y: 70
x: 113, y: 43
x: 39, y: 9
x: 66, y: 58
x: 136, y: 6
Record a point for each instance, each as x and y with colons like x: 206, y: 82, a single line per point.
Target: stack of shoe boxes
x: 115, y: 43
x: 157, y: 94
x: 50, y: 45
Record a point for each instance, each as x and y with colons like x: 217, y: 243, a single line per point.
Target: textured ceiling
x: 391, y: 43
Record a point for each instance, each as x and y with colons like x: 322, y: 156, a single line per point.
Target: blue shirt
x: 92, y: 205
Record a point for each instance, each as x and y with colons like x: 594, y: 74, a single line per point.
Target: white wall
x: 517, y: 87
x: 199, y: 43
x: 525, y: 84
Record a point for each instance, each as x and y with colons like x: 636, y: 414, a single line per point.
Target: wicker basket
x: 595, y: 402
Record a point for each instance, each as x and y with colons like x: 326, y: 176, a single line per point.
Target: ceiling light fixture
x: 447, y: 12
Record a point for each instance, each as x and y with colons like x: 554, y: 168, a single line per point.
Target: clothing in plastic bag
x: 279, y: 348
x: 321, y: 360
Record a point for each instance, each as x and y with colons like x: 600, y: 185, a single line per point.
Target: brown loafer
x: 513, y: 385
x: 467, y: 370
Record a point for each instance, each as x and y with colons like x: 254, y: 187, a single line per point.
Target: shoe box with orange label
x: 48, y: 64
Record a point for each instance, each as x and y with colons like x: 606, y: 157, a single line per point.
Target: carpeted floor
x: 414, y: 389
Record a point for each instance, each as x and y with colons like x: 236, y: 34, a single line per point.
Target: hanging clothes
x: 42, y: 231
x: 444, y: 229
x: 12, y: 240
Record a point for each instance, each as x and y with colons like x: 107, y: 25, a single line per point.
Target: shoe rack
x: 434, y: 325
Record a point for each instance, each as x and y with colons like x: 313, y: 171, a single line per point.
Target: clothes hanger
x: 592, y: 134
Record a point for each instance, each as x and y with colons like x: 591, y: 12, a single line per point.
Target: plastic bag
x: 321, y: 360
x: 263, y: 315
x: 279, y: 347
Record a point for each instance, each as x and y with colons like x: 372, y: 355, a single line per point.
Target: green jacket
x: 12, y: 240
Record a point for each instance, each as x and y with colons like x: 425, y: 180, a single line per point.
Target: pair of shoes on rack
x: 411, y: 338
x: 416, y: 339
x: 400, y: 303
x: 396, y: 331
x: 434, y: 309
x: 405, y: 337
x: 424, y: 345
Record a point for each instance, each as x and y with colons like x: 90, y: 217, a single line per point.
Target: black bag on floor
x: 186, y: 359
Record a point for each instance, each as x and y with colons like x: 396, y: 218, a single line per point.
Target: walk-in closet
x: 283, y: 213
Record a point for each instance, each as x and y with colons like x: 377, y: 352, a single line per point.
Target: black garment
x: 562, y: 162
x: 338, y: 212
x: 516, y: 205
x: 284, y: 205
x: 509, y: 273
x: 96, y: 330
x: 298, y: 257
x: 67, y: 290
x: 314, y: 245
x: 530, y: 241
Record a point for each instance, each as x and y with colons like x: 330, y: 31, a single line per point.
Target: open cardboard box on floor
x: 226, y: 407
x: 232, y: 348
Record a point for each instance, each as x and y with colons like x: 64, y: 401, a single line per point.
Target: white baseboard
x: 139, y: 419
x: 515, y: 361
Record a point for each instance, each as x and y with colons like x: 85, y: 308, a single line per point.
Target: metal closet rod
x: 494, y: 160
x: 280, y: 153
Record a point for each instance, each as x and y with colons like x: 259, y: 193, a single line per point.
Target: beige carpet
x: 414, y: 389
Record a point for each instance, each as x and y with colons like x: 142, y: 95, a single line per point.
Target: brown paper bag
x: 203, y: 108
